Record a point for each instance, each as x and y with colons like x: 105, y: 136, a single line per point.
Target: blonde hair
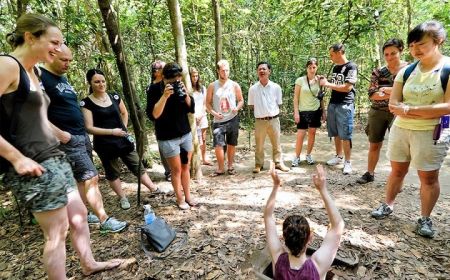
x: 222, y: 62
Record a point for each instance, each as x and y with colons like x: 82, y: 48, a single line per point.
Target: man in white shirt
x: 264, y: 97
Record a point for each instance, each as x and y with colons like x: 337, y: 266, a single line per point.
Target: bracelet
x: 405, y: 109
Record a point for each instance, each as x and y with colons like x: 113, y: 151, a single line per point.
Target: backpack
x: 8, y: 125
x: 444, y: 74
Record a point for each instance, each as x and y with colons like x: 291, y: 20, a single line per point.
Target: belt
x: 267, y: 118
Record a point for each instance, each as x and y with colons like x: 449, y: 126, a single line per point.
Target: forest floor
x: 226, y: 232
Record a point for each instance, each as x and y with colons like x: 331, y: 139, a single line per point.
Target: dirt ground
x: 218, y: 239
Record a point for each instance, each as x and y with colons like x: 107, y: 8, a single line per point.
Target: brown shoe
x: 282, y: 167
x: 257, y: 169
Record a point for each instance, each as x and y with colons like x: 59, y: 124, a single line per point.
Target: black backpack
x: 444, y: 74
x: 8, y: 125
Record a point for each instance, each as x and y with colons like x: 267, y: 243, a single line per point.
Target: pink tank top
x: 283, y: 270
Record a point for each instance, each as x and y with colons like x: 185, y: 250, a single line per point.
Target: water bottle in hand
x: 149, y: 215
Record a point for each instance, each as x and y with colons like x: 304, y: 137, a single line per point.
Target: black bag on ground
x: 159, y: 234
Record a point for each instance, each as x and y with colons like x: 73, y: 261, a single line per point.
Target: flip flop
x: 216, y: 173
x: 232, y: 171
x: 192, y: 203
x: 208, y: 163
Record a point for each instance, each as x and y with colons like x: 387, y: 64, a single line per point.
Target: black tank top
x: 35, y: 138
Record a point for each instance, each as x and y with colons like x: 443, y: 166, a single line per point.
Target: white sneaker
x: 335, y: 161
x: 295, y: 162
x: 309, y: 159
x: 124, y: 203
x: 347, y: 168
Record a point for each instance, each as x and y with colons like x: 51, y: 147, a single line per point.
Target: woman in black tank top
x: 40, y: 176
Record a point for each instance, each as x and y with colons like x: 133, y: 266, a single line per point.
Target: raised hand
x: 319, y: 178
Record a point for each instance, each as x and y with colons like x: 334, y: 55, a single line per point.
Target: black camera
x: 178, y: 90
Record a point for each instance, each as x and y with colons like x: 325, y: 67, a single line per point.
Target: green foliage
x: 284, y: 32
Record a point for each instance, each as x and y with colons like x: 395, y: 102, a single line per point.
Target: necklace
x: 103, y: 100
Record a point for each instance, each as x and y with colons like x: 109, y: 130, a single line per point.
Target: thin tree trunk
x: 181, y: 53
x: 218, y: 29
x: 22, y: 7
x: 129, y: 91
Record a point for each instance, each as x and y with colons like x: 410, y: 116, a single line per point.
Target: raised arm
x: 159, y: 106
x: 273, y: 242
x: 324, y: 256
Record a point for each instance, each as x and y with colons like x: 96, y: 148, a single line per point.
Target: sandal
x: 232, y: 171
x: 208, y: 163
x: 192, y: 203
x: 183, y: 206
x: 216, y: 173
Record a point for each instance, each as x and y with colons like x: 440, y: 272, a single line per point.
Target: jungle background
x: 226, y: 231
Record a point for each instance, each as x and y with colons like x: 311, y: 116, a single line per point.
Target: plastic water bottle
x: 149, y: 215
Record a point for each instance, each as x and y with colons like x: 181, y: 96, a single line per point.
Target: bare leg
x: 203, y: 147
x: 338, y: 145
x: 299, y: 143
x: 54, y: 225
x: 311, y: 139
x: 231, y: 150
x: 90, y: 193
x: 429, y: 190
x: 80, y: 236
x: 116, y: 185
x: 373, y: 156
x: 220, y: 159
x: 186, y: 179
x: 145, y: 179
x: 347, y: 149
x: 175, y: 169
x: 395, y: 180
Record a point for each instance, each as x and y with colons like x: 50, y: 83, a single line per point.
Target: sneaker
x: 92, y: 219
x: 309, y: 160
x: 347, y: 168
x: 124, y: 203
x: 366, y: 178
x: 335, y: 161
x: 112, y: 225
x: 295, y: 162
x: 382, y: 212
x: 425, y: 227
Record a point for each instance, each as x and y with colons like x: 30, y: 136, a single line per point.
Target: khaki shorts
x: 379, y: 121
x: 46, y: 192
x: 417, y: 147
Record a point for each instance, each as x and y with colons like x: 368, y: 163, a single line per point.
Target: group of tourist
x: 45, y: 137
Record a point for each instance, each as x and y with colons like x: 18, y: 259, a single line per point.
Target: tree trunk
x: 218, y: 29
x: 129, y: 91
x: 22, y: 7
x: 181, y: 53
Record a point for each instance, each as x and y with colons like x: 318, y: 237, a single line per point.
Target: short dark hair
x: 338, y: 47
x: 431, y: 28
x: 264, y: 62
x: 310, y: 61
x: 296, y: 234
x: 394, y: 42
x: 172, y: 70
x: 90, y: 73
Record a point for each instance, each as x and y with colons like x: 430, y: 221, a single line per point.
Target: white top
x: 265, y: 99
x: 199, y: 100
x: 224, y: 100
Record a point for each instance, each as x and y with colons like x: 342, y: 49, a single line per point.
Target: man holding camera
x: 168, y: 106
x: 342, y: 105
x: 264, y: 98
x: 223, y: 101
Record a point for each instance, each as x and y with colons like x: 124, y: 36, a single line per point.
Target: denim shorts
x: 79, y: 154
x: 226, y: 133
x: 173, y: 147
x: 340, y: 120
x: 46, y: 192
